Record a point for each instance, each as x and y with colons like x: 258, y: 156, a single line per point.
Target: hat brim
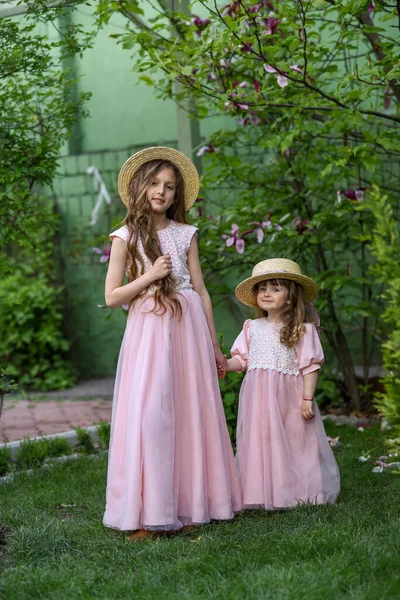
x: 244, y: 291
x: 190, y: 176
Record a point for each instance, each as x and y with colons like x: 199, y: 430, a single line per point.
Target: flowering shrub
x: 312, y: 92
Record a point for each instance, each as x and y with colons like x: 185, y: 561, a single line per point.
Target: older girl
x: 171, y: 462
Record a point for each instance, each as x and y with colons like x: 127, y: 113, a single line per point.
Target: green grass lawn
x: 349, y: 550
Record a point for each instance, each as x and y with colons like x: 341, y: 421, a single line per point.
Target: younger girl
x: 283, y: 454
x: 170, y: 462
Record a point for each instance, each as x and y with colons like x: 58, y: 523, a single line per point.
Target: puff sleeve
x: 122, y: 233
x: 240, y: 348
x: 309, y: 351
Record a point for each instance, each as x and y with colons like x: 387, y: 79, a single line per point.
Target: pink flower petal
x: 359, y: 195
x: 339, y: 196
x: 243, y: 106
x: 240, y: 245
x: 371, y: 7
x: 235, y: 228
x: 230, y: 241
x: 260, y: 235
x: 104, y: 258
x: 97, y: 250
x: 270, y: 69
x: 282, y: 81
x: 201, y: 151
x: 295, y: 68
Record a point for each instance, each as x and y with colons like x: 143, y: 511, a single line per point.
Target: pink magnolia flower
x: 235, y: 239
x: 371, y: 7
x: 248, y: 47
x: 300, y: 225
x: 354, y: 194
x: 105, y: 253
x: 240, y: 84
x: 296, y: 68
x: 282, y: 80
x: 270, y: 25
x: 231, y: 9
x: 210, y: 148
x: 266, y: 224
x: 256, y: 85
x: 254, y: 8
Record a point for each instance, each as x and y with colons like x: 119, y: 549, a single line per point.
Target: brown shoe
x: 189, y: 528
x: 141, y: 534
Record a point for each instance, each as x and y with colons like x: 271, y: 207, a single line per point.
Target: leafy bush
x: 58, y: 446
x: 85, y: 442
x: 5, y: 461
x: 38, y: 108
x: 32, y: 345
x: 32, y: 453
x: 385, y: 246
x: 103, y: 431
x: 310, y: 95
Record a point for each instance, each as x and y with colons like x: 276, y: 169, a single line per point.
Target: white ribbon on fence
x: 100, y: 187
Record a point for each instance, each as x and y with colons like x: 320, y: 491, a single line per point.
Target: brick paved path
x: 56, y: 412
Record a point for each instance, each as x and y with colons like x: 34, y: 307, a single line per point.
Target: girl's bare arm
x: 116, y: 293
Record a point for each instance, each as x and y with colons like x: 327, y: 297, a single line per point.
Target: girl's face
x: 161, y: 191
x: 272, y: 298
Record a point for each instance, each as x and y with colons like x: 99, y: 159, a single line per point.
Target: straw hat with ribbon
x: 274, y: 268
x: 188, y: 171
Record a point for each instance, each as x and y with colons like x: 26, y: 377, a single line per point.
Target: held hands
x: 222, y: 363
x: 162, y: 267
x: 306, y: 410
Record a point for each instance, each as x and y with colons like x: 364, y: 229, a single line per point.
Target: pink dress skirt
x: 283, y: 459
x: 170, y: 461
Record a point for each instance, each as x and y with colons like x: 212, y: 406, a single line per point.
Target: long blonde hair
x: 294, y: 314
x: 139, y: 221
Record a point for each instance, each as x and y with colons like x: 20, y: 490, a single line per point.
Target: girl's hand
x: 220, y: 369
x: 162, y: 267
x: 221, y: 361
x: 306, y: 410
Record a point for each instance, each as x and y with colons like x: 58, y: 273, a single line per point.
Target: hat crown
x: 276, y: 265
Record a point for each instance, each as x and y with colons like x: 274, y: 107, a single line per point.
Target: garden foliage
x: 312, y: 92
x: 385, y: 246
x: 37, y: 111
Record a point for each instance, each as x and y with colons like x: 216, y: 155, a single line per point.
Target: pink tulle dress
x: 170, y: 461
x: 283, y: 459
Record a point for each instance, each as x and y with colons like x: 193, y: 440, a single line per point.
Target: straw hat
x: 274, y: 268
x: 189, y: 172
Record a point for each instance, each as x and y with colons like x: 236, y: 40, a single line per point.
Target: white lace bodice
x: 266, y: 350
x: 175, y: 240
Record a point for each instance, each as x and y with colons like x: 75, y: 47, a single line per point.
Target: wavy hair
x: 139, y: 221
x: 294, y: 314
